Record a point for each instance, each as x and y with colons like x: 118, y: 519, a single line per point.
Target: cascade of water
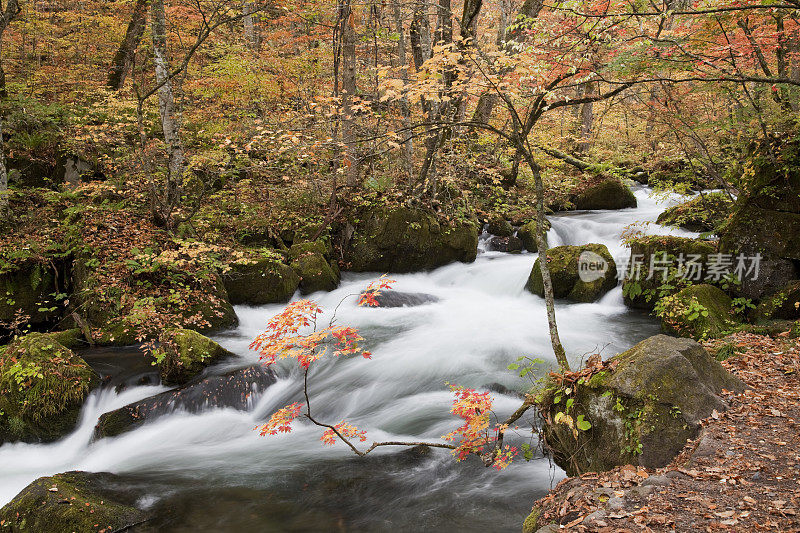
x: 482, y: 321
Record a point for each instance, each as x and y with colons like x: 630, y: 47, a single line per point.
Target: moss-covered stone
x: 608, y: 194
x: 42, y: 387
x: 784, y: 304
x: 530, y: 525
x: 640, y: 411
x: 403, y: 239
x: 640, y: 292
x: 704, y: 212
x: 314, y: 247
x: 564, y: 263
x: 698, y: 311
x: 28, y: 288
x: 527, y: 234
x: 183, y: 354
x: 71, y: 502
x: 316, y: 274
x: 261, y: 282
x: 500, y: 227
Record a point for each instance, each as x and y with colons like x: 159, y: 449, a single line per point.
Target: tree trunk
x: 348, y: 32
x: 547, y: 282
x: 3, y: 173
x: 587, y: 118
x: 168, y: 109
x: 123, y: 59
x: 420, y: 36
x: 405, y: 109
x: 250, y: 35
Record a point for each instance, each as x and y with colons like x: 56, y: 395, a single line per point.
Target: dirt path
x: 741, y: 474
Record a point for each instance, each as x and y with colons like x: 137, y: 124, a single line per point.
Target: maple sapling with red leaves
x: 285, y: 337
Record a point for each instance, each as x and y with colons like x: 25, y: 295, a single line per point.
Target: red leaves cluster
x: 346, y: 430
x: 475, y: 435
x: 368, y: 298
x: 281, y: 420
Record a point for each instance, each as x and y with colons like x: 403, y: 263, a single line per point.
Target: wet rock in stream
x: 232, y: 389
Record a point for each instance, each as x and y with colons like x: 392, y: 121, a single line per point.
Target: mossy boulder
x: 705, y: 212
x: 29, y: 288
x: 565, y: 263
x: 96, y: 303
x: 120, y: 331
x: 315, y: 247
x: 648, y: 254
x: 500, y: 227
x: 608, y: 194
x: 640, y: 409
x: 316, y: 274
x: 404, y: 239
x: 72, y: 501
x: 698, y: 311
x: 527, y: 234
x: 265, y: 281
x: 766, y: 216
x: 183, y: 354
x: 784, y: 304
x: 43, y: 385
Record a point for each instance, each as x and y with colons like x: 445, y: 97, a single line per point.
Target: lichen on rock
x: 641, y: 409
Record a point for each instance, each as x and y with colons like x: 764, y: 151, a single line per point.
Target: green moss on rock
x: 316, y: 274
x: 527, y: 234
x: 641, y: 412
x: 608, y: 194
x: 699, y: 311
x: 567, y: 283
x: 642, y: 293
x: 43, y: 386
x: 784, y: 304
x: 530, y: 525
x: 28, y: 288
x: 261, y: 282
x: 72, y: 501
x: 500, y: 227
x: 704, y: 212
x: 403, y: 239
x: 183, y: 354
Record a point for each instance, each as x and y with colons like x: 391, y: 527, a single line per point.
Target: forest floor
x: 742, y: 473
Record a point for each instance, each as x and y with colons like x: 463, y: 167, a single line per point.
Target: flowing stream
x: 212, y: 472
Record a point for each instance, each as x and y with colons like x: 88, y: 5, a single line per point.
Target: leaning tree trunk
x: 405, y: 108
x: 123, y: 59
x: 168, y: 109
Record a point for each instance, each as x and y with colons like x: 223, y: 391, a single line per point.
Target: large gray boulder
x: 642, y: 407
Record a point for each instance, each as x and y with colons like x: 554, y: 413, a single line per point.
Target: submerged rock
x: 72, y: 501
x: 393, y: 298
x: 265, y: 281
x: 183, y: 354
x: 403, y: 239
x: 698, y: 311
x: 232, y: 389
x: 641, y: 412
x: 43, y: 386
x: 564, y: 263
x: 608, y: 194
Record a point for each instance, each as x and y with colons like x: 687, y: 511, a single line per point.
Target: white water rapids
x: 222, y: 476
